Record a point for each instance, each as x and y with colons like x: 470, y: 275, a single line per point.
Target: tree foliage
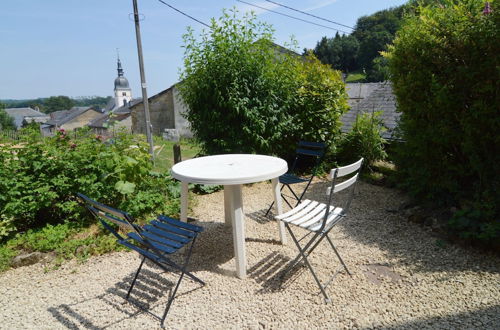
x: 340, y: 52
x: 56, y: 103
x: 246, y: 94
x: 360, y: 51
x: 40, y: 103
x: 374, y: 32
x: 445, y: 67
x: 6, y: 121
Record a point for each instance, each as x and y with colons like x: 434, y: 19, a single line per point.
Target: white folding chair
x: 319, y: 218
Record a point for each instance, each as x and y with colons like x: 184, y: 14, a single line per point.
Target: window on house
x: 124, y: 94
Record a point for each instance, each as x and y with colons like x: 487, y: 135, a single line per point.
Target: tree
x: 374, y: 32
x: 55, y: 103
x: 6, y: 121
x: 379, y: 70
x: 340, y: 52
x: 246, y: 94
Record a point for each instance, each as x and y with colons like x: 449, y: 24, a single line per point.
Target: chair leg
x: 135, y: 277
x: 294, y: 194
x: 338, y: 255
x: 271, y: 206
x: 171, y: 300
x: 304, y: 256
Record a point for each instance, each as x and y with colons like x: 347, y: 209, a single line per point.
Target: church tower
x: 123, y: 93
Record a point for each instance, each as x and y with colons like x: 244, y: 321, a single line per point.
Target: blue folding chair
x: 306, y: 152
x: 155, y: 241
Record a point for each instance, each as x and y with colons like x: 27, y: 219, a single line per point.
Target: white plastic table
x: 232, y: 170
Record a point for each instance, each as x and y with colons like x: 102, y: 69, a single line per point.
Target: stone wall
x: 166, y: 111
x: 161, y: 111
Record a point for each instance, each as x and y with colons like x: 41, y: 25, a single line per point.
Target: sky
x: 69, y: 47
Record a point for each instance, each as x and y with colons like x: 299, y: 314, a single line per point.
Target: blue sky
x: 68, y: 47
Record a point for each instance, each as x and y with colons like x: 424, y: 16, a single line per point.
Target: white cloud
x: 321, y: 4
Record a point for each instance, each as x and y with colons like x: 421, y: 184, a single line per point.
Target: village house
x: 69, y: 120
x: 24, y: 116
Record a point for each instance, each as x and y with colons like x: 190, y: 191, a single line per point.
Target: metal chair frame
x: 304, y: 150
x: 162, y: 237
x: 326, y: 223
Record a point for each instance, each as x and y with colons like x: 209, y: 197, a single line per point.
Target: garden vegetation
x: 444, y: 66
x: 40, y: 177
x: 245, y: 94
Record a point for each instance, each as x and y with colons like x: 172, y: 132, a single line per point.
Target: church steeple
x: 120, y: 70
x: 123, y: 94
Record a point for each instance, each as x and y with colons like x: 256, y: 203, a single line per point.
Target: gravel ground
x: 402, y: 278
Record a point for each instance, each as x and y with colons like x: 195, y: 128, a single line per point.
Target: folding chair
x: 319, y: 218
x: 306, y: 151
x: 155, y: 241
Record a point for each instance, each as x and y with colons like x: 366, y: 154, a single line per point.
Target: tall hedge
x: 246, y: 94
x: 445, y: 70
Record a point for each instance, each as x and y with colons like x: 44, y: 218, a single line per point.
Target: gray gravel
x: 402, y: 278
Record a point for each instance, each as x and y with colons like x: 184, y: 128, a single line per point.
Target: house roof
x: 108, y: 118
x: 19, y: 113
x: 65, y: 116
x: 117, y: 114
x: 377, y: 97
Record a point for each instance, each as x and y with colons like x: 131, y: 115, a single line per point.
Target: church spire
x: 120, y: 70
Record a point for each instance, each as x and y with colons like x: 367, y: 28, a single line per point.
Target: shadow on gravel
x: 274, y: 273
x: 149, y: 296
x: 213, y: 247
x: 486, y: 318
x: 377, y: 217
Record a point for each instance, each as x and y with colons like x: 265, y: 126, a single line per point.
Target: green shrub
x: 364, y: 140
x: 245, y: 94
x: 40, y: 178
x: 444, y: 67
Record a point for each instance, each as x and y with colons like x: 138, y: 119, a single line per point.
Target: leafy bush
x: 40, y: 177
x: 6, y: 121
x: 444, y: 67
x: 364, y: 140
x: 245, y: 94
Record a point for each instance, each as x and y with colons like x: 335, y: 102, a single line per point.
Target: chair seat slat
x: 173, y: 229
x: 181, y: 224
x: 291, y: 179
x: 319, y: 215
x: 166, y: 234
x: 333, y: 215
x: 162, y: 240
x: 296, y: 209
x: 153, y: 241
x: 304, y: 214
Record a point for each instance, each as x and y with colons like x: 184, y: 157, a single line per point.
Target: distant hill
x: 95, y: 101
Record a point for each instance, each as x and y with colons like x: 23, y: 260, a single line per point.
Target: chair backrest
x: 309, y: 150
x: 108, y: 215
x: 337, y: 186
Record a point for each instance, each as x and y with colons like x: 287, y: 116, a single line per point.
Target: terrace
x: 403, y: 277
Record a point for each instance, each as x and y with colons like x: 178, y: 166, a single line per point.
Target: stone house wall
x: 165, y: 110
x: 81, y: 120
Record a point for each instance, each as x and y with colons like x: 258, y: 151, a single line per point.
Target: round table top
x: 229, y: 169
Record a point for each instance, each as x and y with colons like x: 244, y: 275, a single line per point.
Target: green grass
x: 66, y: 240
x: 164, y: 153
x: 355, y: 77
